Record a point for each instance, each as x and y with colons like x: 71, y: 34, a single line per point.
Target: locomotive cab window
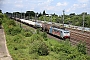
x: 66, y: 32
x: 61, y: 31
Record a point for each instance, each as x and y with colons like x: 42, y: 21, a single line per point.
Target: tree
x: 88, y: 22
x: 0, y: 11
x: 84, y: 13
x: 72, y: 14
x: 44, y: 13
x: 1, y: 15
x: 39, y: 15
x: 22, y: 14
x: 17, y: 14
x: 31, y: 13
x: 8, y: 14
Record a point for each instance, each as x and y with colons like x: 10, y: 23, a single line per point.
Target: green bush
x: 13, y: 30
x: 35, y: 47
x: 44, y: 35
x: 81, y: 47
x: 38, y: 46
x: 36, y: 37
x: 43, y: 49
x: 27, y: 34
x: 0, y: 21
x: 38, y: 31
x: 18, y: 38
x: 1, y: 16
x: 11, y: 22
x: 34, y: 56
x: 62, y: 46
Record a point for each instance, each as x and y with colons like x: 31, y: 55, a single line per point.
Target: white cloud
x: 4, y: 2
x: 49, y: 0
x: 61, y: 4
x: 45, y: 2
x: 45, y: 5
x: 48, y: 5
x: 50, y: 8
x: 68, y: 10
x: 84, y: 5
x: 76, y: 7
x: 19, y: 5
x: 1, y: 2
x: 83, y: 1
x: 19, y: 1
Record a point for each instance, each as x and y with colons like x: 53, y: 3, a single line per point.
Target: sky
x: 50, y: 6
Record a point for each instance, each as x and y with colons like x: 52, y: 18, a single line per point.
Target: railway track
x: 77, y: 36
x: 30, y: 27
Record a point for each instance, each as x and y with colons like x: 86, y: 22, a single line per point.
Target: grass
x: 19, y: 50
x: 19, y: 47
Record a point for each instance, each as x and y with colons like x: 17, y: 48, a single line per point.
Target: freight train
x: 48, y: 27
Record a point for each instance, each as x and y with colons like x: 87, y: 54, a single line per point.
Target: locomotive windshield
x: 66, y: 32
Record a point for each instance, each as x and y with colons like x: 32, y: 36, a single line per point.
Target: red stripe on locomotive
x: 56, y: 33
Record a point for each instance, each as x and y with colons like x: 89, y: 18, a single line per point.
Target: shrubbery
x: 64, y: 50
x: 0, y: 21
x: 11, y: 23
x: 44, y: 35
x: 38, y: 46
x: 1, y: 16
x: 81, y: 47
x: 13, y: 30
x: 27, y: 34
x: 23, y: 44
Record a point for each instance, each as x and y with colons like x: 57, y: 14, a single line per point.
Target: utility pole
x: 21, y: 15
x: 24, y: 15
x: 51, y: 18
x: 83, y: 20
x: 12, y: 15
x: 29, y: 15
x: 20, y: 20
x: 35, y: 16
x: 16, y: 15
x: 44, y: 24
x: 63, y: 18
x: 44, y: 18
